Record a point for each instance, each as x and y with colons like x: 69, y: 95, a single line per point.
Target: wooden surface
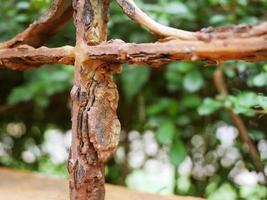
x: 20, y: 185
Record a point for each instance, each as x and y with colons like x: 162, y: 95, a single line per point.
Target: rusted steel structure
x: 95, y: 125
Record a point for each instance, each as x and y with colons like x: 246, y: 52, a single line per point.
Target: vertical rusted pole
x: 95, y: 126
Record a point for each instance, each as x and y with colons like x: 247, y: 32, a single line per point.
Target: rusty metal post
x: 95, y: 125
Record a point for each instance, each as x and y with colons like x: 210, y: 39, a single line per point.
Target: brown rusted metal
x: 212, y: 45
x: 95, y: 125
x: 153, y: 54
x: 26, y: 57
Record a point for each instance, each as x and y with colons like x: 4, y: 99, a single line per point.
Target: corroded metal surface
x: 212, y: 45
x: 95, y: 125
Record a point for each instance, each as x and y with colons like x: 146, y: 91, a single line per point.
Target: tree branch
x: 45, y: 27
x: 243, y: 132
x: 135, y: 13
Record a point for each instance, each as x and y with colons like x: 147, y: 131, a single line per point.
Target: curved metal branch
x: 136, y: 14
x: 59, y: 13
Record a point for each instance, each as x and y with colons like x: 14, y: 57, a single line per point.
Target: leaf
x: 20, y: 94
x: 156, y: 180
x: 246, y: 102
x: 175, y: 8
x: 133, y: 79
x: 173, y: 107
x: 209, y: 106
x: 23, y: 5
x: 41, y: 84
x: 219, y: 19
x: 193, y: 81
x: 173, y: 77
x: 157, y: 107
x: 256, y: 135
x: 166, y: 133
x: 191, y: 101
x: 177, y: 152
x: 246, y: 99
x: 183, y: 120
x: 249, y: 20
x: 262, y: 101
x: 260, y: 80
x: 225, y: 191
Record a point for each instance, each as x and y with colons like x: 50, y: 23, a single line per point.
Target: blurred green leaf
x: 133, y: 78
x: 219, y: 19
x: 209, y: 106
x: 166, y: 132
x: 260, y: 80
x: 23, y: 5
x: 249, y: 20
x: 177, y: 8
x: 262, y: 101
x: 193, y: 81
x: 245, y: 99
x: 177, y: 152
x: 245, y: 102
x: 257, y: 192
x: 225, y: 191
x: 191, y: 101
x: 42, y: 84
x: 256, y: 135
x: 20, y: 95
x: 157, y: 107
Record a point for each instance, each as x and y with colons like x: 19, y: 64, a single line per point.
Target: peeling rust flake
x: 103, y: 123
x: 87, y: 14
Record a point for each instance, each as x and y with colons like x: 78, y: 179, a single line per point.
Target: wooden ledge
x: 20, y: 185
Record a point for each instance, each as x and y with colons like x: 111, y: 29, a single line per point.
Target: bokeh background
x: 177, y: 137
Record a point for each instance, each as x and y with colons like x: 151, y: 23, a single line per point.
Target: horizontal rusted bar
x: 25, y: 57
x: 155, y: 54
x: 248, y: 43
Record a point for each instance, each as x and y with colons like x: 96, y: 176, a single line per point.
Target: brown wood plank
x: 20, y: 185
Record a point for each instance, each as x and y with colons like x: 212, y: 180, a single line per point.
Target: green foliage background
x: 176, y: 101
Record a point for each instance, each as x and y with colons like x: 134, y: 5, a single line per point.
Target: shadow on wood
x: 19, y: 185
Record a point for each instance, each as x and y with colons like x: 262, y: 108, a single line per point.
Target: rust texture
x: 26, y: 57
x: 156, y: 54
x: 95, y: 125
x: 128, y: 8
x: 213, y: 45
